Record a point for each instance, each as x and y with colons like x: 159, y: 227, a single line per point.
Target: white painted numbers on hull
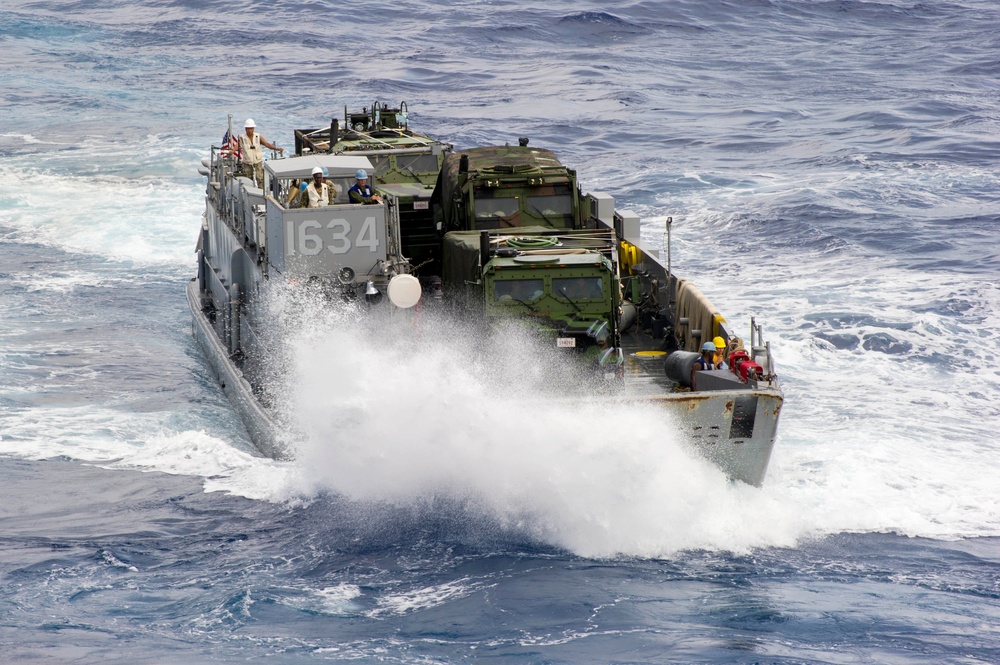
x: 309, y: 237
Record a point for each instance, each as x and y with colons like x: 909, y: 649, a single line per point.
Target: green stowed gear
x: 532, y: 243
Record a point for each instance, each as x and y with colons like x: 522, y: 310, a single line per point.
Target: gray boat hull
x: 735, y: 430
x: 260, y: 425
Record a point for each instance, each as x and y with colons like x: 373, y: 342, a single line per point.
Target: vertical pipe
x: 201, y: 272
x: 671, y: 283
x: 484, y: 248
x: 334, y: 133
x: 234, y: 317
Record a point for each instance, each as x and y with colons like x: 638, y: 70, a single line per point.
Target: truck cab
x: 571, y: 297
x: 504, y: 187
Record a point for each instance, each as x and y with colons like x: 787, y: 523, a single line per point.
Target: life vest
x: 365, y: 194
x: 251, y: 151
x: 318, y: 199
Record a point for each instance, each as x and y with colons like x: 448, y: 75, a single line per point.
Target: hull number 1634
x: 309, y: 237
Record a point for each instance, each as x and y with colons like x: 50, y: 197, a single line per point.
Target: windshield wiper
x: 544, y: 216
x: 526, y: 304
x: 570, y: 300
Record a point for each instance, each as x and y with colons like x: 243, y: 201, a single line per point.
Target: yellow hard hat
x: 719, y: 343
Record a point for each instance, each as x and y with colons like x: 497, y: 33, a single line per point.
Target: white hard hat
x: 316, y: 170
x: 249, y: 123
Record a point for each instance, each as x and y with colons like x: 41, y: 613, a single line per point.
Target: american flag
x: 230, y: 145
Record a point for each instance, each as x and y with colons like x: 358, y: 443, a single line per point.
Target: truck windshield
x: 496, y: 210
x: 551, y: 206
x: 381, y: 164
x: 554, y: 207
x: 414, y: 164
x: 579, y: 288
x: 517, y: 289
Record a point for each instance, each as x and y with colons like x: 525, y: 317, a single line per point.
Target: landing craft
x: 499, y: 234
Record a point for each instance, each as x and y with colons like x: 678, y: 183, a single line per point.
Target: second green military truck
x: 517, y: 246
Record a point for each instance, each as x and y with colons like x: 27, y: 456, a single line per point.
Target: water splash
x: 418, y: 409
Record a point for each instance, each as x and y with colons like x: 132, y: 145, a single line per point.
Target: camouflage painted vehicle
x: 506, y: 187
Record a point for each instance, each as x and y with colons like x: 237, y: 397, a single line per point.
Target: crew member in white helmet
x: 319, y: 193
x: 252, y: 154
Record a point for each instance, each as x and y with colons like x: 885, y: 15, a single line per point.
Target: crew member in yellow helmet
x: 720, y: 352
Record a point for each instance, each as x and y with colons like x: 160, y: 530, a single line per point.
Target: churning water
x: 830, y: 168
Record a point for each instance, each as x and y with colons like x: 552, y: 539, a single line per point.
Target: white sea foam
x: 24, y: 139
x: 224, y: 467
x: 144, y: 218
x: 113, y: 439
x: 339, y: 600
x: 66, y: 283
x: 425, y: 598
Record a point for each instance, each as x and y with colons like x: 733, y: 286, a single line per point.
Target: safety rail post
x: 671, y: 282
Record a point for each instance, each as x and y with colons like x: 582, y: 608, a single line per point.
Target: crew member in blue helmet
x: 706, y: 361
x: 361, y: 192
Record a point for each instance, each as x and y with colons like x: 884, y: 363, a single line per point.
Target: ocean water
x: 830, y: 168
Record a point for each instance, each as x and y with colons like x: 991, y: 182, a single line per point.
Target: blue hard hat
x: 361, y: 174
x: 708, y: 346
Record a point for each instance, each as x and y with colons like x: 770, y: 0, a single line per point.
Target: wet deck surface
x: 644, y: 359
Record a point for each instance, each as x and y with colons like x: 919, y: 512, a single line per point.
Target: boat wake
x: 103, y: 221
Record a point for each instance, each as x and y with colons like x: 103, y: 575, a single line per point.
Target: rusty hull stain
x: 695, y: 398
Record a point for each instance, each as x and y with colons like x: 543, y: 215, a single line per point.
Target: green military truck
x: 518, y: 244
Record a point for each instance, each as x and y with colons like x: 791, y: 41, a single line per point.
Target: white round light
x: 404, y: 291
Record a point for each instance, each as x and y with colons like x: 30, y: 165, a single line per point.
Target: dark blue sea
x: 831, y: 168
